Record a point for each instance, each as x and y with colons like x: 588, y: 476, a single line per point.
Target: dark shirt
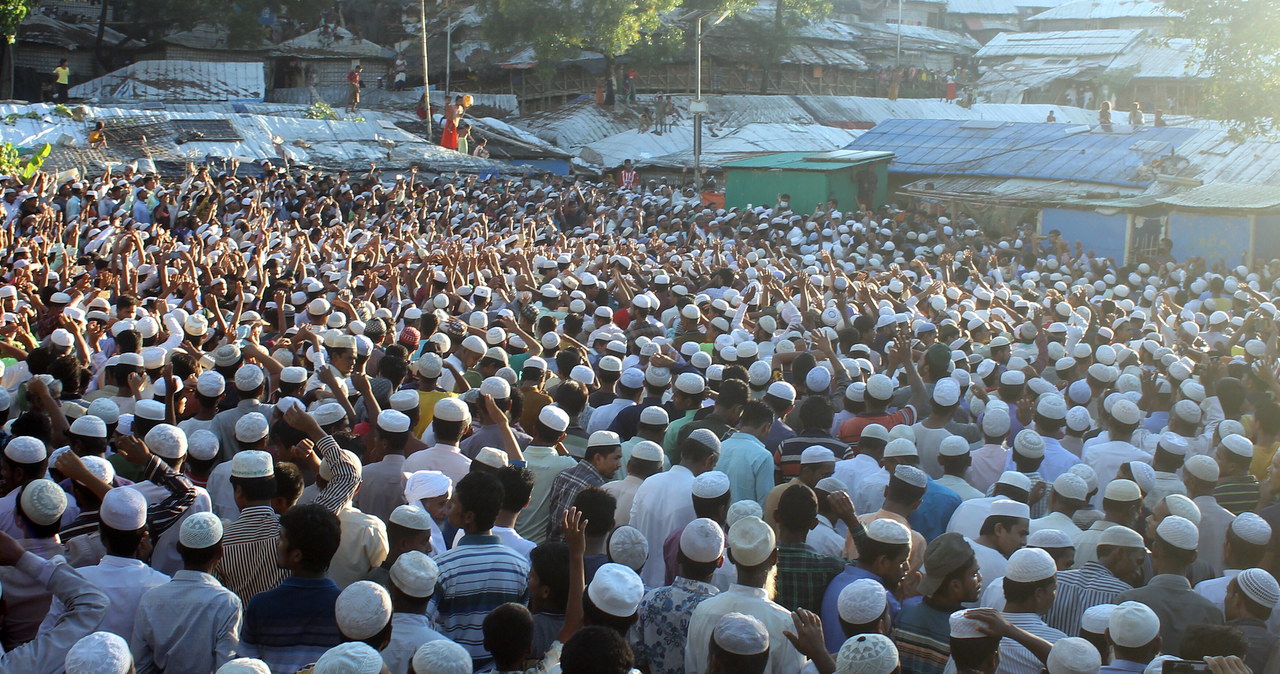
x: 294, y: 623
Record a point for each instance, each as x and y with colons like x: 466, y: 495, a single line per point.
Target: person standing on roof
x: 353, y: 86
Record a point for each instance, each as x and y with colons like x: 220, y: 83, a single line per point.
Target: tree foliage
x: 1238, y: 50
x: 12, y: 12
x: 772, y: 37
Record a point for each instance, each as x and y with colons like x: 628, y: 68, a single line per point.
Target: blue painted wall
x: 1102, y: 234
x: 1266, y: 241
x: 1212, y: 237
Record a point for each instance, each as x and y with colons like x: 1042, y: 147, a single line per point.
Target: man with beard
x: 882, y: 556
x: 922, y: 628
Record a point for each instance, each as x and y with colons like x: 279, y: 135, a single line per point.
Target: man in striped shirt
x: 479, y: 573
x: 1237, y: 490
x: 249, y: 544
x: 1030, y: 584
x: 1120, y: 554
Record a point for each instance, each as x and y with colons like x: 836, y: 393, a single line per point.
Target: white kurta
x: 663, y: 503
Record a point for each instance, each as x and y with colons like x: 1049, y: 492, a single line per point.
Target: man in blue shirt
x: 291, y: 626
x: 882, y: 556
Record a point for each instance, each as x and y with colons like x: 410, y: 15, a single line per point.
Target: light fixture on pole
x: 448, y: 55
x: 699, y: 107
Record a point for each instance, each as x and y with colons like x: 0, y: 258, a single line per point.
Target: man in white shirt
x: 451, y: 418
x: 627, y: 391
x: 1105, y: 458
x: 1121, y: 503
x: 646, y: 460
x: 664, y: 502
x: 954, y: 458
x: 1069, y: 494
x: 1200, y: 474
x: 1003, y: 532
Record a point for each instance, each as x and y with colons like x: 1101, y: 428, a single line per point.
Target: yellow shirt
x: 427, y: 409
x: 63, y: 74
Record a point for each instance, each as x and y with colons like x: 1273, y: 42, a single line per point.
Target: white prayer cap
x: 900, y: 447
x: 1049, y: 538
x: 1133, y: 625
x: 89, y: 426
x: 1251, y: 528
x: 1143, y: 474
x: 706, y: 438
x: 702, y: 540
x: 252, y: 463
x: 414, y: 573
x: 1187, y: 410
x: 1173, y: 443
x: 99, y: 653
x: 1096, y: 618
x: 1028, y: 443
x: 411, y: 516
x: 1182, y: 506
x: 616, y: 590
x: 995, y: 422
x: 879, y: 387
x: 211, y: 384
x: 953, y: 445
x: 1259, y: 586
x: 100, y: 468
x: 244, y: 666
x: 350, y: 657
x: 130, y: 359
x: 946, y: 392
x: 105, y: 409
x: 404, y: 401
x: 329, y: 413
x: 167, y: 441
x: 1121, y: 537
x: 1071, y: 486
x: 124, y: 509
x: 646, y: 450
x: 817, y: 454
x: 1202, y: 467
x: 1126, y: 412
x: 876, y: 431
x: 452, y: 409
x: 867, y: 654
x: 741, y: 634
x: 964, y: 627
x: 1073, y: 655
x: 751, y: 541
x: 888, y: 531
x: 495, y: 387
x: 1122, y: 490
x: 741, y: 509
x: 26, y: 450
x: 393, y: 421
x: 44, y: 501
x: 603, y: 439
x: 293, y: 375
x: 628, y: 546
x: 911, y: 475
x: 1079, y: 419
x: 151, y: 410
x: 252, y: 427
x: 711, y: 484
x: 552, y: 417
x: 1238, y: 445
x: 200, y: 531
x: 632, y: 378
x: 492, y: 457
x: 249, y: 377
x: 1014, y: 478
x: 1009, y: 508
x: 861, y: 601
x: 691, y: 383
x: 1179, y: 532
x: 426, y: 484
x: 363, y: 609
x: 654, y: 415
x: 1028, y: 565
x: 442, y: 656
x: 1052, y: 407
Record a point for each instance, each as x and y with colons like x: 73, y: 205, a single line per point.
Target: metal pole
x: 426, y: 88
x: 897, y: 57
x: 697, y: 116
x: 448, y: 59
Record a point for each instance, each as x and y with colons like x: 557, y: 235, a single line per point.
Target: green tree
x: 771, y: 38
x: 12, y: 12
x: 1238, y: 52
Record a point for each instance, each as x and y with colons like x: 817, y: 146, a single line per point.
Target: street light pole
x: 448, y: 56
x: 426, y: 86
x: 698, y: 107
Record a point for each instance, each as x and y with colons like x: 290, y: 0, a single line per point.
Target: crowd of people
x: 271, y: 420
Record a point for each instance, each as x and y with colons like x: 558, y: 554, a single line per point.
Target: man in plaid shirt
x: 803, y: 574
x: 601, y: 461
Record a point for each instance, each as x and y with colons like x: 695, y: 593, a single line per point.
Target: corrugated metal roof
x: 210, y: 36
x: 1169, y: 59
x: 1007, y: 82
x: 1060, y: 43
x: 757, y: 139
x: 335, y: 43
x: 1234, y: 196
x: 1214, y: 157
x: 864, y: 110
x: 1016, y: 189
x: 326, y: 144
x: 1095, y: 10
x: 982, y: 7
x: 41, y: 29
x: 178, y: 81
x: 1040, y: 151
x: 800, y: 161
